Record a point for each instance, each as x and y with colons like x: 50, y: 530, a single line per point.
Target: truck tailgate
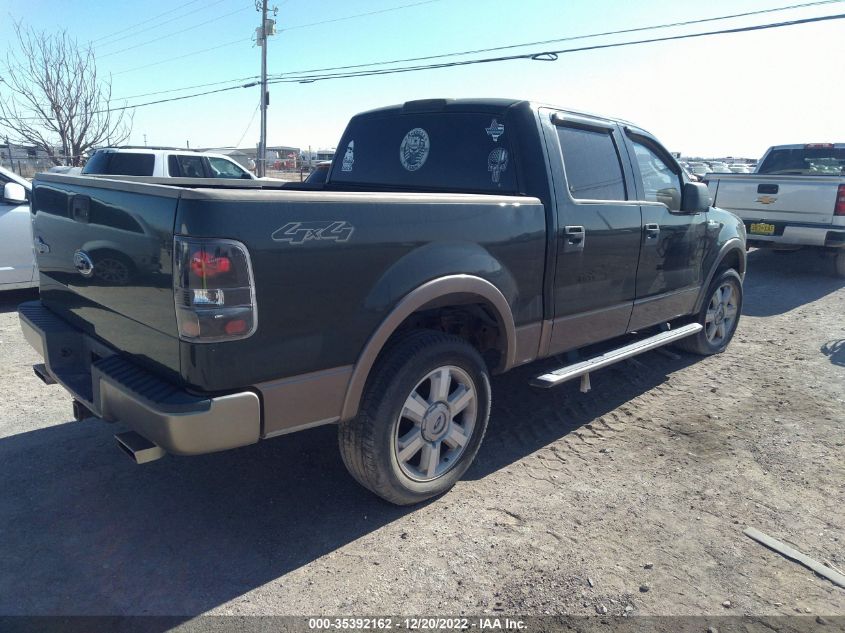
x: 793, y: 199
x: 104, y: 255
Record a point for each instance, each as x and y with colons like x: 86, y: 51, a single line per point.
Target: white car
x: 720, y: 167
x: 699, y: 169
x: 163, y: 163
x: 739, y: 168
x: 17, y: 257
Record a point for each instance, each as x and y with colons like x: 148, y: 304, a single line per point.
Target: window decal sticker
x: 497, y: 162
x: 495, y: 130
x: 413, y: 151
x: 348, y: 157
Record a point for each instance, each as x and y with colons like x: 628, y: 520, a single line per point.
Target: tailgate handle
x: 80, y: 208
x: 767, y: 188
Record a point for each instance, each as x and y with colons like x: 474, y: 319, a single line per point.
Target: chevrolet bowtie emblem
x: 766, y: 199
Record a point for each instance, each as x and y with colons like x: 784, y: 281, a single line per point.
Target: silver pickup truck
x: 795, y: 199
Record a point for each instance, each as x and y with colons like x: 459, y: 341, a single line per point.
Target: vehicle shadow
x: 11, y: 299
x: 835, y: 351
x: 777, y: 282
x: 184, y: 535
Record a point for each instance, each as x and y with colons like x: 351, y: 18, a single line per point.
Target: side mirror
x: 696, y: 198
x: 14, y: 193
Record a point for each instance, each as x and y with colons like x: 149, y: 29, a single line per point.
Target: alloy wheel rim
x: 436, y: 424
x: 721, y: 314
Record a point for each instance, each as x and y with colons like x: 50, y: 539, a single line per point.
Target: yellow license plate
x: 761, y: 228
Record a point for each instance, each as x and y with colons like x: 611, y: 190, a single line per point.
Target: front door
x: 598, y: 234
x: 670, y: 272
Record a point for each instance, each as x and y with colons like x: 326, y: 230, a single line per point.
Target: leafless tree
x: 52, y: 97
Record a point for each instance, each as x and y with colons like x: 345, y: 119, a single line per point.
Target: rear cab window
x: 120, y: 164
x: 811, y: 160
x: 444, y: 151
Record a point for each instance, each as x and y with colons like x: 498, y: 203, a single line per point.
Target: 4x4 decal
x: 301, y: 232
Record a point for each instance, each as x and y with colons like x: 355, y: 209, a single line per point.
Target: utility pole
x: 267, y: 28
x: 145, y: 140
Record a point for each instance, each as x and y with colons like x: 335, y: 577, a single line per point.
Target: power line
x: 553, y: 55
x: 161, y: 92
x: 467, y: 52
x: 562, y: 39
x: 248, y: 125
x: 191, y: 54
x: 136, y: 31
x: 359, y: 15
x: 300, y: 26
x: 539, y: 56
x: 148, y: 20
x: 180, y: 32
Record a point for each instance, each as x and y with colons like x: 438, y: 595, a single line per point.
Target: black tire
x: 839, y: 263
x: 369, y: 444
x: 702, y: 344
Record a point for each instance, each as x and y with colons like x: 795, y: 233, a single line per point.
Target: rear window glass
x: 120, y: 164
x: 442, y: 151
x: 805, y: 161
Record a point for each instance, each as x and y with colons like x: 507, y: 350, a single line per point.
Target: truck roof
x: 492, y: 105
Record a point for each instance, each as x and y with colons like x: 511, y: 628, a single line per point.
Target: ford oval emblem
x: 83, y: 263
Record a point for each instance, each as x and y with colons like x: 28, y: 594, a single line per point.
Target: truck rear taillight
x: 214, y: 290
x: 839, y: 207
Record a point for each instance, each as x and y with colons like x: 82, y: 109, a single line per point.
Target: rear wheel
x: 719, y: 316
x: 422, y: 419
x: 839, y: 263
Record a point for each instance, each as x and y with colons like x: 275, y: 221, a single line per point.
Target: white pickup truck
x: 795, y: 199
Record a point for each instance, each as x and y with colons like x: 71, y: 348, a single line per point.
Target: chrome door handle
x: 652, y: 231
x: 574, y: 238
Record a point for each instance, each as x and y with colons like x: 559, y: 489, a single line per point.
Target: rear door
x: 670, y: 273
x: 17, y: 261
x: 598, y: 239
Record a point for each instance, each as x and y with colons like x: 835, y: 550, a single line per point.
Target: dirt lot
x: 635, y: 494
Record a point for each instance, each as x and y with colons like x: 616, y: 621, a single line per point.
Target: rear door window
x: 444, y: 151
x: 120, y: 164
x: 591, y: 162
x: 190, y: 166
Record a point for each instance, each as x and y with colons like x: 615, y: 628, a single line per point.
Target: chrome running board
x: 583, y: 368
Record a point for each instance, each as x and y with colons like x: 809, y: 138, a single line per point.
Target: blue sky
x: 724, y: 95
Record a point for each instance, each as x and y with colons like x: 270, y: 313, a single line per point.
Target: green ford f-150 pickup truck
x: 452, y: 240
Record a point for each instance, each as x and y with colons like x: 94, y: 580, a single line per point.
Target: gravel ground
x: 633, y: 496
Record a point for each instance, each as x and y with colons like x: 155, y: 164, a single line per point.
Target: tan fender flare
x: 460, y: 287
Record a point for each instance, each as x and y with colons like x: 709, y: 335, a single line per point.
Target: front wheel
x: 719, y: 316
x: 422, y: 418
